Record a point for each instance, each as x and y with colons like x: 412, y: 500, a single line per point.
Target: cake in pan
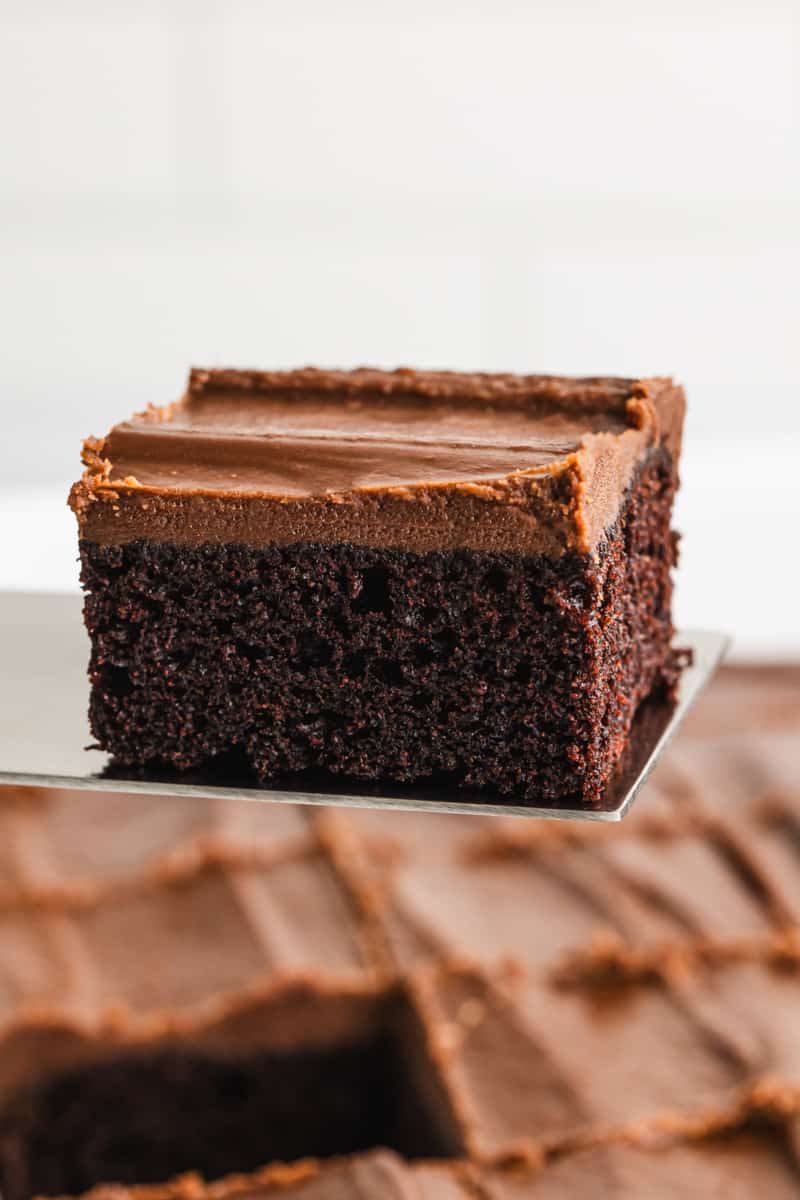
x: 228, y: 1000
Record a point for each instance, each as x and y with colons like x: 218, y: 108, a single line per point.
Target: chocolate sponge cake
x: 384, y: 575
x: 232, y: 1001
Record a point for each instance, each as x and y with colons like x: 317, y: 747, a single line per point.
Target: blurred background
x: 583, y: 186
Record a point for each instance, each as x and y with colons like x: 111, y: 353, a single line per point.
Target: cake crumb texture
x: 517, y: 676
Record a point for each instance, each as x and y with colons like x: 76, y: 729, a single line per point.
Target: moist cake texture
x: 224, y: 1001
x: 384, y: 575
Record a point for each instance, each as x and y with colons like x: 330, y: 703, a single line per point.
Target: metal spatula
x: 44, y: 730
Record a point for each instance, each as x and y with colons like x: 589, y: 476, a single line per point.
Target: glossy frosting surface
x: 310, y: 444
x: 348, y: 454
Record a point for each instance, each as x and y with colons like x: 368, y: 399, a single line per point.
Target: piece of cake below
x: 737, y: 1164
x: 516, y: 1007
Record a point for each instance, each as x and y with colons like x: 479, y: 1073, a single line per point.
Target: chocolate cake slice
x: 229, y: 1001
x: 379, y: 575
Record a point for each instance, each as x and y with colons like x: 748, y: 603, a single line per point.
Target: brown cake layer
x: 517, y: 676
x: 429, y: 1006
x: 400, y: 576
x: 421, y: 461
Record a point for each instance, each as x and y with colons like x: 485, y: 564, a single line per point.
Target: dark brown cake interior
x: 146, y: 1118
x: 384, y: 575
x: 513, y: 675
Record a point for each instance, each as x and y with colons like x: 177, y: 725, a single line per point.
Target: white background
x: 593, y: 186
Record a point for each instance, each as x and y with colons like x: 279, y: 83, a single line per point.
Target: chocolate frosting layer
x: 417, y: 460
x: 588, y: 1011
